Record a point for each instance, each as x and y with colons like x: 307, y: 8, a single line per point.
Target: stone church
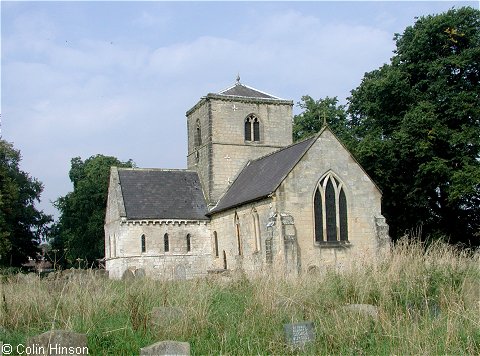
x: 250, y: 199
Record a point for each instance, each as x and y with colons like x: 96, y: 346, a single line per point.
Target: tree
x: 417, y: 126
x: 79, y: 233
x: 21, y: 225
x: 311, y: 120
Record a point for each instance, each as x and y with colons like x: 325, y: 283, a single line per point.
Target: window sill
x: 333, y: 244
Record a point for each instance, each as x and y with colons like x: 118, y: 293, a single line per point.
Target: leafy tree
x: 417, y: 126
x: 79, y: 233
x: 21, y: 225
x: 316, y: 113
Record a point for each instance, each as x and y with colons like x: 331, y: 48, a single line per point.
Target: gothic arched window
x: 330, y: 209
x: 166, y: 243
x: 252, y: 128
x: 143, y: 244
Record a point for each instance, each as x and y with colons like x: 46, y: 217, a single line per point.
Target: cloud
x: 78, y: 96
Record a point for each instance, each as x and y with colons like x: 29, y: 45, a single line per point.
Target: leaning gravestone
x: 57, y: 342
x: 167, y: 348
x: 298, y: 334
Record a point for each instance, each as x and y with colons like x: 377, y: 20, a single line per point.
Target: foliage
x: 79, y: 233
x: 427, y: 300
x: 21, y: 225
x: 417, y: 126
x: 311, y: 120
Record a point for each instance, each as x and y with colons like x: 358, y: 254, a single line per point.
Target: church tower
x: 230, y: 128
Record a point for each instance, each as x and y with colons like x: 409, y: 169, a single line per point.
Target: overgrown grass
x: 428, y: 301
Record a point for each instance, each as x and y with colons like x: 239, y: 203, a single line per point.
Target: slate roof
x: 262, y: 176
x: 245, y: 91
x: 162, y: 194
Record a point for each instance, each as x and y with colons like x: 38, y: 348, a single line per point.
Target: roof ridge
x: 271, y: 96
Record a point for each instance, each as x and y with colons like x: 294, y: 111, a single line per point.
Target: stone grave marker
x: 128, y: 275
x: 57, y: 342
x: 180, y: 273
x: 298, y: 334
x: 167, y: 348
x: 139, y: 273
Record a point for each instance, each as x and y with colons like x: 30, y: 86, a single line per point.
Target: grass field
x: 428, y: 302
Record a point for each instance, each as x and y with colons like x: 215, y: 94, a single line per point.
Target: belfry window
x: 330, y: 209
x: 252, y: 128
x: 198, y: 134
x: 144, y: 244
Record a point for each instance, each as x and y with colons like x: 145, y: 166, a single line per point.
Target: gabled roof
x: 262, y: 176
x: 162, y: 194
x: 245, y: 91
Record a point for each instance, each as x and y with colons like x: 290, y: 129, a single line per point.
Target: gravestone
x: 161, y: 316
x: 167, y: 348
x: 128, y: 275
x: 139, y: 273
x: 180, y: 273
x: 57, y: 342
x: 298, y: 334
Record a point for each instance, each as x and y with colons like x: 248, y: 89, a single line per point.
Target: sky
x: 117, y: 77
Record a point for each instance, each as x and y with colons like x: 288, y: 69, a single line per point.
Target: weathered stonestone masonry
x: 250, y: 200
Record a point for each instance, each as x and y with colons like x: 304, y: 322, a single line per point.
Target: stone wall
x: 252, y: 228
x: 177, y: 262
x: 295, y: 196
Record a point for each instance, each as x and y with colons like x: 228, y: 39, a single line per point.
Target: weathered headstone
x: 165, y: 315
x: 57, y: 342
x: 365, y: 309
x: 139, y: 273
x: 180, y: 273
x: 128, y: 275
x: 167, y: 348
x: 298, y: 334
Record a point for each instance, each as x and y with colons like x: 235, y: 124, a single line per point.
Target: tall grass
x: 428, y: 301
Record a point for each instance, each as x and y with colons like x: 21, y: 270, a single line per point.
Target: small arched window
x: 166, y: 243
x: 252, y: 128
x: 198, y: 134
x: 237, y: 233
x: 189, y: 246
x: 330, y: 210
x: 215, y: 243
x: 143, y: 244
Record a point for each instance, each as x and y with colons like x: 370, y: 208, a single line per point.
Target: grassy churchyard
x: 420, y: 302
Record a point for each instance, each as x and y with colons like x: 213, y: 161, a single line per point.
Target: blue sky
x: 116, y: 78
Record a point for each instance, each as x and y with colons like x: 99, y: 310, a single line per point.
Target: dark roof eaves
x: 214, y: 211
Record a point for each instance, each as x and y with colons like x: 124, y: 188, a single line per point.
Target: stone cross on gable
x: 234, y: 107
